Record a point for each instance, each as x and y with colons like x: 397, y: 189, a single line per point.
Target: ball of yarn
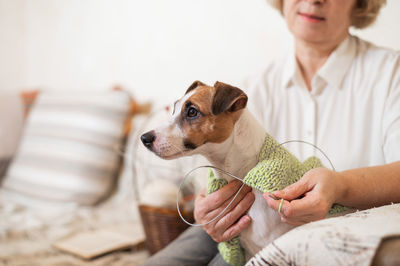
x: 159, y: 193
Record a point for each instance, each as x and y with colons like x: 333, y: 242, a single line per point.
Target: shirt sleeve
x: 391, y: 117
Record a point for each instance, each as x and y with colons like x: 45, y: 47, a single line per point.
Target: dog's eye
x: 192, y: 112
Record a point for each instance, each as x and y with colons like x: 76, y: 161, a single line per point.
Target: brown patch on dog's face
x: 203, y: 115
x: 198, y: 123
x: 194, y: 85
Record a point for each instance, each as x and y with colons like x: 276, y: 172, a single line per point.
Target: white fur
x: 168, y: 143
x: 237, y: 155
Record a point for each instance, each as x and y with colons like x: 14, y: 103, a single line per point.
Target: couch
x: 39, y: 209
x: 47, y: 193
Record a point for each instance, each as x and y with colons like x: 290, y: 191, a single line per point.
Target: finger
x: 236, y: 229
x: 302, y: 219
x: 294, y: 191
x: 271, y: 196
x: 232, y: 216
x: 295, y: 221
x: 281, y: 206
x: 239, y: 198
x: 307, y: 206
x: 217, y: 198
x: 311, y: 205
x: 272, y: 201
x: 203, y: 211
x: 203, y: 193
x: 216, y: 229
x: 300, y: 207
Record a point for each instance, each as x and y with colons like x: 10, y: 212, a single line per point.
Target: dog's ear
x: 227, y: 98
x: 195, y: 85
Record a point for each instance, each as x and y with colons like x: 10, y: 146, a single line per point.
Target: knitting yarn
x: 277, y: 168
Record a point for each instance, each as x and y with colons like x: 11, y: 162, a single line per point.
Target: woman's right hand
x: 234, y: 220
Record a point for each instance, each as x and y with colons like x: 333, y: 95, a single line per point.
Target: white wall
x: 155, y: 48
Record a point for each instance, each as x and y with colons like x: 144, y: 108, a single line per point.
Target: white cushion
x: 70, y: 147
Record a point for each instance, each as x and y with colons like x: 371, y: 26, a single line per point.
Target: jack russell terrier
x: 213, y: 121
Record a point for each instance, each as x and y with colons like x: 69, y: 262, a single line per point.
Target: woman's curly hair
x: 364, y: 14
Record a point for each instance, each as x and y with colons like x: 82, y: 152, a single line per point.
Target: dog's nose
x: 148, y: 138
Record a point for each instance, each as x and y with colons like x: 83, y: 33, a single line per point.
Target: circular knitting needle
x: 223, y: 211
x: 237, y: 193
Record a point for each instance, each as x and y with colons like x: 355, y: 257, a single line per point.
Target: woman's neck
x: 312, y: 56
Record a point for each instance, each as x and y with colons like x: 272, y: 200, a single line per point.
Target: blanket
x: 27, y: 234
x: 352, y: 239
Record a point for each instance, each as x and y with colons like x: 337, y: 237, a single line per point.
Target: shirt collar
x: 338, y: 63
x: 332, y: 72
x: 290, y: 68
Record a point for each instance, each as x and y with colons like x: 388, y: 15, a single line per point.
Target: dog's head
x: 205, y: 115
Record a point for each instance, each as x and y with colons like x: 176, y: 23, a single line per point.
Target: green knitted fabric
x: 231, y: 251
x: 277, y: 168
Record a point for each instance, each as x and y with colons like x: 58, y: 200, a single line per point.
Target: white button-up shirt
x: 352, y: 112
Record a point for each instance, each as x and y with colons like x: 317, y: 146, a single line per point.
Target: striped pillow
x: 69, y: 150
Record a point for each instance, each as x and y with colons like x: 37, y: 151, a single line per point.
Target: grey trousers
x: 194, y: 247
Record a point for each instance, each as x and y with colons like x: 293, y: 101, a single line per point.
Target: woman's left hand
x: 309, y: 199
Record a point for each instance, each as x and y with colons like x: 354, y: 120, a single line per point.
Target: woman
x: 336, y: 91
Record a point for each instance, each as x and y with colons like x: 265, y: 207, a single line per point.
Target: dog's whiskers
x: 179, y: 150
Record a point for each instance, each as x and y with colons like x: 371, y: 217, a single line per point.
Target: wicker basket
x: 162, y: 225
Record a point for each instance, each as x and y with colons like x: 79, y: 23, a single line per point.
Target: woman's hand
x: 309, y: 199
x: 234, y: 220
